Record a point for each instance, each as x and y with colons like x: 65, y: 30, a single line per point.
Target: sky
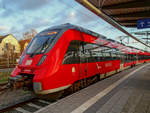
x: 19, y: 16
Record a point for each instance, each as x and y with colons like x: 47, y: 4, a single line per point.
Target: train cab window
x: 41, y: 42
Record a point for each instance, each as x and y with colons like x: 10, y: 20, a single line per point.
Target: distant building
x: 23, y: 44
x: 9, y: 45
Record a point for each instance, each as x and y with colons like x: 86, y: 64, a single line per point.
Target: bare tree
x: 29, y: 34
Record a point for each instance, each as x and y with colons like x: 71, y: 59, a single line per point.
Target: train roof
x: 71, y: 26
x: 126, y: 49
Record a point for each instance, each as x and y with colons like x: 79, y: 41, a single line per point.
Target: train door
x: 83, y: 64
x: 90, y: 66
x: 72, y: 59
x: 76, y: 56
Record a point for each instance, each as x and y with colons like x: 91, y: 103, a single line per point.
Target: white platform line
x: 94, y: 99
x: 34, y: 105
x: 22, y: 110
x: 43, y: 101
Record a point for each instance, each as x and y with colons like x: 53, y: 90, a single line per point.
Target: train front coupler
x: 20, y: 81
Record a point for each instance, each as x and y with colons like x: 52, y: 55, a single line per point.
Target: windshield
x: 41, y: 42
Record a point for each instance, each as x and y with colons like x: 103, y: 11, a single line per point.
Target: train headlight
x: 21, y: 59
x: 37, y: 86
x: 42, y: 60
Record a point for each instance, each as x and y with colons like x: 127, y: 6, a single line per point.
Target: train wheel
x: 89, y: 81
x: 98, y: 77
x: 94, y: 79
x: 83, y: 83
x: 76, y: 86
x: 68, y: 91
x: 73, y: 88
x: 117, y: 71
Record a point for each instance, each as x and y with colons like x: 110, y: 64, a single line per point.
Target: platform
x: 125, y: 92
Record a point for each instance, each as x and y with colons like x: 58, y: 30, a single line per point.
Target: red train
x: 59, y: 57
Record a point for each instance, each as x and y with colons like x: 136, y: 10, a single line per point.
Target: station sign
x: 143, y: 23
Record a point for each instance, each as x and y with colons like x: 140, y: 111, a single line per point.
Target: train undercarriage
x: 22, y: 81
x: 25, y: 81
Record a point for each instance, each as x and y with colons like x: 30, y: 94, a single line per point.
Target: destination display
x: 143, y: 23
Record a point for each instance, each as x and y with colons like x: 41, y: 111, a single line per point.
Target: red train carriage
x: 58, y: 57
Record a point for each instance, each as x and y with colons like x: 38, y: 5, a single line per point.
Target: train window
x: 114, y: 55
x: 107, y: 56
x: 133, y: 57
x: 41, y: 42
x: 118, y: 56
x: 73, y: 54
x: 91, y: 47
x: 74, y: 46
x: 86, y: 57
x: 95, y: 53
x: 83, y: 52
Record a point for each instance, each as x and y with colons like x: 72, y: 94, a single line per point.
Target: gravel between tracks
x: 12, y: 97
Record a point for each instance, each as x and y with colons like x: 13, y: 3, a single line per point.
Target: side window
x: 72, y: 53
x: 114, y: 56
x: 83, y: 52
x: 107, y: 53
x: 93, y: 52
x: 107, y: 56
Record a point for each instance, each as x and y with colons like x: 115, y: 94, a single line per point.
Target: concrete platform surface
x: 125, y: 92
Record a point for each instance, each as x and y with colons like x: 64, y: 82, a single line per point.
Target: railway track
x: 3, y: 87
x: 29, y: 106
x: 34, y: 103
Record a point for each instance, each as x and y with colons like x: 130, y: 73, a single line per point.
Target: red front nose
x: 30, y: 62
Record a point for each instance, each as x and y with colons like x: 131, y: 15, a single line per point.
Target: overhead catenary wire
x: 96, y: 23
x: 90, y: 6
